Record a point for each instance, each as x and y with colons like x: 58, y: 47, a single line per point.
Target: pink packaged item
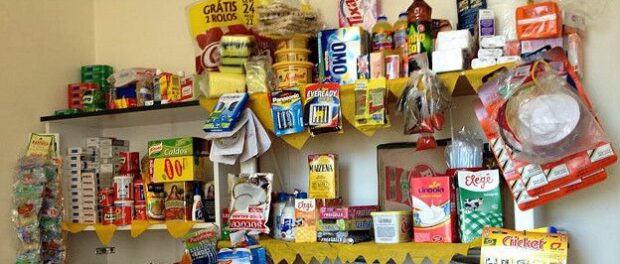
x: 351, y: 212
x: 434, y: 209
x: 358, y: 13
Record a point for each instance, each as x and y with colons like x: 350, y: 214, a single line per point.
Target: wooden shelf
x: 138, y: 116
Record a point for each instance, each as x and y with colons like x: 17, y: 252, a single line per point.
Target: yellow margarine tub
x: 291, y: 74
x: 392, y: 227
x: 292, y: 55
x: 297, y: 42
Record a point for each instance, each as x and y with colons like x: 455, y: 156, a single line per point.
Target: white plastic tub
x: 392, y: 227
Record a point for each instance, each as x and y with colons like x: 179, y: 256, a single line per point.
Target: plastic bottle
x: 400, y: 42
x: 382, y: 34
x: 419, y: 34
x: 198, y: 214
x: 288, y: 220
x: 278, y: 207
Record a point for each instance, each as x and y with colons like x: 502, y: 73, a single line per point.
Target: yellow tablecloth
x: 259, y: 102
x: 370, y: 251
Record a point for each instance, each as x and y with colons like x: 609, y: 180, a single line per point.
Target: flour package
x: 479, y: 203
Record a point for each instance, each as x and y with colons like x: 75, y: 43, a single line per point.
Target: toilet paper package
x: 479, y: 202
x: 434, y: 209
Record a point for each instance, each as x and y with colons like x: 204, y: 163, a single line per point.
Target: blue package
x: 468, y: 13
x: 234, y: 256
x: 226, y: 113
x: 259, y: 255
x: 339, y: 50
x: 286, y: 109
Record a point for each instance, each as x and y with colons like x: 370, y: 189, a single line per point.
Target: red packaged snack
x: 538, y: 21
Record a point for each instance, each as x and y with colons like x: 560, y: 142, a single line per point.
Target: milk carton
x: 306, y: 216
x: 479, y: 203
x: 434, y: 209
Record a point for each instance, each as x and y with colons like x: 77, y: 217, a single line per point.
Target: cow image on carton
x: 479, y: 202
x: 434, y: 209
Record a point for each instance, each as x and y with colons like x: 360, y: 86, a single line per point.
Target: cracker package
x: 286, y: 109
x: 323, y: 176
x: 507, y: 246
x: 250, y: 200
x: 322, y: 113
x: 306, y: 216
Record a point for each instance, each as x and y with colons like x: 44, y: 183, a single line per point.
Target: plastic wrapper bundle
x: 259, y: 77
x: 37, y: 212
x: 287, y: 18
x: 544, y: 120
x: 250, y: 201
x: 423, y: 103
x: 465, y: 150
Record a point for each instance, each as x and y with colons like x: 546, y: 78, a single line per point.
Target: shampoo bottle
x: 198, y: 214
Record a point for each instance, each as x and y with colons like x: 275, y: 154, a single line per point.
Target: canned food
x: 106, y: 197
x: 130, y: 162
x: 124, y: 212
x: 123, y: 188
x: 138, y: 186
x: 108, y: 215
x: 140, y: 212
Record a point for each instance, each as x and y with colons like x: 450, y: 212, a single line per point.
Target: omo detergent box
x: 339, y: 50
x: 479, y: 202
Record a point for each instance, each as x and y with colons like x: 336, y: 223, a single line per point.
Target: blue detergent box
x: 339, y: 50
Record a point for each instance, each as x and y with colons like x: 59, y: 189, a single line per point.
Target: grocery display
x: 277, y: 72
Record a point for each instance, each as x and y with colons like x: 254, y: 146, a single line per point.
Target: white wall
x: 43, y: 44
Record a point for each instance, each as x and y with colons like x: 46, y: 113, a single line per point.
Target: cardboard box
x: 507, y: 246
x: 177, y: 147
x: 360, y: 224
x: 178, y: 169
x: 434, y: 209
x: 323, y: 176
x: 339, y: 50
x: 178, y: 201
x: 306, y: 216
x: 479, y: 202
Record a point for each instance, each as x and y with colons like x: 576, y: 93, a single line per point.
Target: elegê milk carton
x: 479, y: 202
x: 434, y: 210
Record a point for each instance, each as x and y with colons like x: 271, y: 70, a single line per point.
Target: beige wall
x: 43, y: 43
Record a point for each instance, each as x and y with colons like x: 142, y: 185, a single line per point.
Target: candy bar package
x: 344, y: 237
x: 358, y: 13
x: 250, y: 201
x: 351, y: 212
x: 286, y: 109
x: 322, y: 112
x: 508, y: 246
x: 479, y: 202
x: 358, y: 224
x: 226, y: 113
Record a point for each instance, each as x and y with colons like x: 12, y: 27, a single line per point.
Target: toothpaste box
x: 339, y: 50
x: 479, y: 202
x: 434, y: 209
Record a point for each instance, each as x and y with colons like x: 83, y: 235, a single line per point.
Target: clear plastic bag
x: 465, y: 150
x: 544, y: 120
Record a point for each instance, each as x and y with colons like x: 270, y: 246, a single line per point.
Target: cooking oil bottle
x: 382, y: 35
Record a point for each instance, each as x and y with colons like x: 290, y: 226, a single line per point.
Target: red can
x: 106, y: 197
x: 140, y: 212
x: 108, y: 215
x: 130, y: 163
x: 138, y: 187
x: 124, y: 212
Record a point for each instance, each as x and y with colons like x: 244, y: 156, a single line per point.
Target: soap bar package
x: 339, y: 50
x: 479, y: 202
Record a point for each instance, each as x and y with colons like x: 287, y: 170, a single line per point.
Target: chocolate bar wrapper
x: 344, y: 237
x: 362, y: 224
x: 351, y: 212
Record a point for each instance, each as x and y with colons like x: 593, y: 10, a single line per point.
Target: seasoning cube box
x: 178, y: 169
x: 177, y: 147
x: 306, y: 216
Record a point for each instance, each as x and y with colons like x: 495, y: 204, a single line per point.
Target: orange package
x: 539, y: 21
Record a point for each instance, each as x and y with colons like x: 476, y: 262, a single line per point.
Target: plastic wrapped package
x: 287, y: 18
x: 259, y: 74
x: 465, y: 150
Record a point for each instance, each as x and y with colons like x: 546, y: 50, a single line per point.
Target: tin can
x: 138, y: 187
x: 108, y: 215
x: 140, y: 212
x: 124, y: 212
x: 130, y: 162
x: 123, y: 188
x: 106, y: 197
x: 392, y: 67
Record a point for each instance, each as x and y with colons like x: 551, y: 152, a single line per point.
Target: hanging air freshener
x: 286, y: 109
x: 322, y: 108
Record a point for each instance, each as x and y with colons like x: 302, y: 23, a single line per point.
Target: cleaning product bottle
x: 198, y: 214
x: 278, y: 207
x: 382, y: 35
x: 419, y: 34
x: 288, y: 220
x: 400, y: 42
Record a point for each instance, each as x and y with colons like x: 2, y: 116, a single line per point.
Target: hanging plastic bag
x: 543, y: 120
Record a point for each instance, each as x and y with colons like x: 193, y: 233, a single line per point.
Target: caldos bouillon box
x: 323, y: 176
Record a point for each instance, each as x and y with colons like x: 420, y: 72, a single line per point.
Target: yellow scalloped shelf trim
x: 370, y: 251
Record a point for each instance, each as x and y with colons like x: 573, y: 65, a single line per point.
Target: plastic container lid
x: 391, y: 213
x: 302, y: 51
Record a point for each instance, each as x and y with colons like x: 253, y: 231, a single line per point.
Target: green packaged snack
x: 202, y: 245
x: 362, y: 224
